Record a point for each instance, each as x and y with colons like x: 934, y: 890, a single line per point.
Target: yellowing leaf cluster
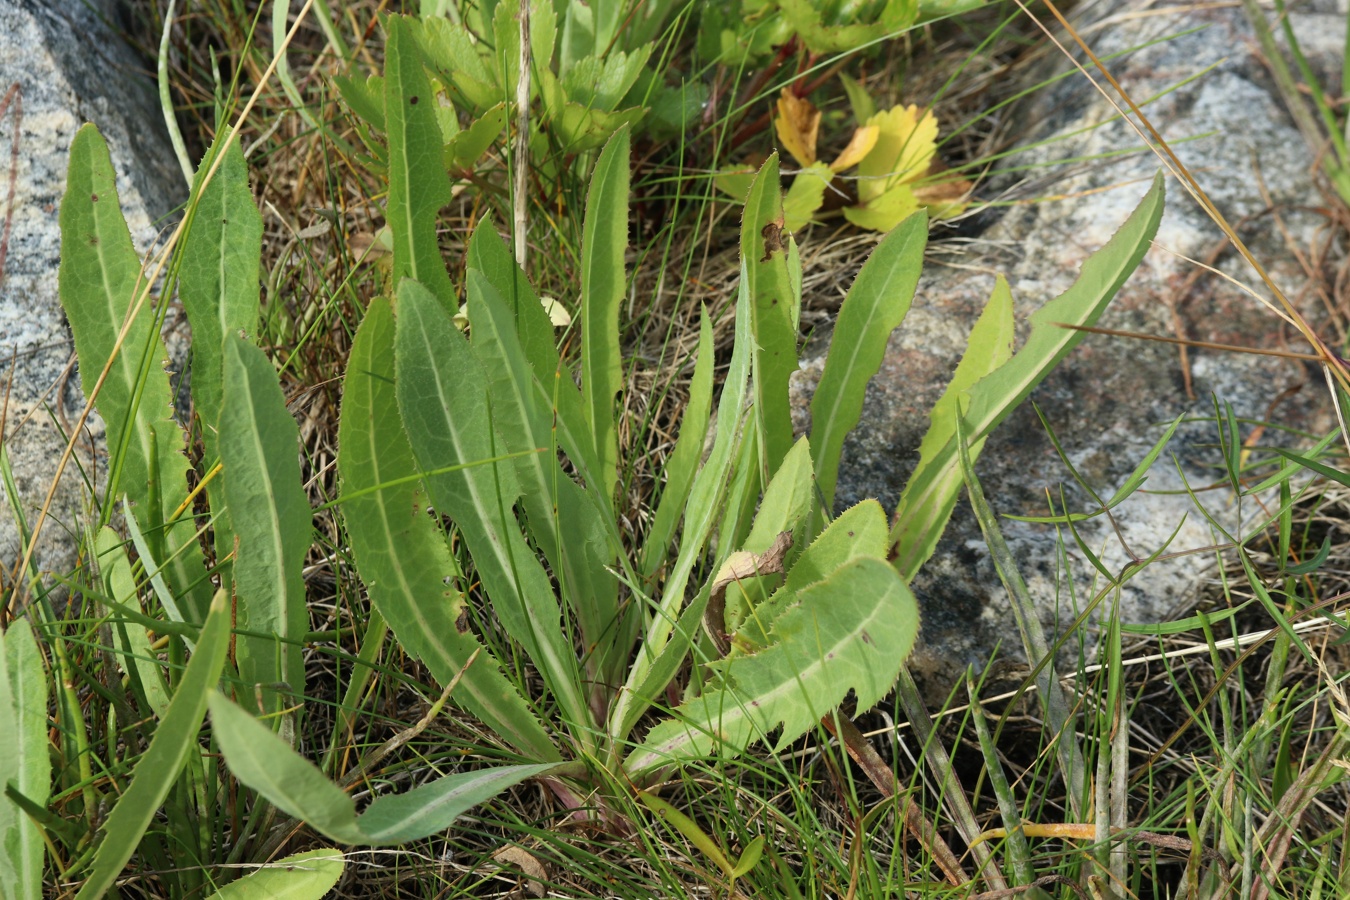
x: 895, y: 152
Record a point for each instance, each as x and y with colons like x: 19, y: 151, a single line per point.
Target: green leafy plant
x: 784, y: 608
x: 735, y: 34
x: 589, y: 73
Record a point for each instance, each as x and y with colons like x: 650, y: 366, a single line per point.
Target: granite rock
x: 70, y: 66
x: 1112, y: 398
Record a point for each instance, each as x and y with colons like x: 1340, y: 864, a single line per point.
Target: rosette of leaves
x: 894, y: 152
x: 783, y: 607
x: 589, y: 76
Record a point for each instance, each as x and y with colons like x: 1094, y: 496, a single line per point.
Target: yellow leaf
x: 861, y: 144
x: 798, y: 125
x: 884, y: 212
x: 906, y: 143
x: 805, y: 196
x: 735, y: 182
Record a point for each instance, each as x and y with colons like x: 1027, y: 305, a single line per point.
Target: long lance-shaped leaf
x: 175, y: 736
x: 218, y: 284
x: 565, y: 522
x: 24, y: 761
x: 266, y: 763
x: 603, y: 280
x: 300, y: 876
x: 100, y: 276
x: 259, y: 447
x: 989, y: 347
x: 683, y: 460
x: 767, y: 256
x: 997, y: 394
x: 488, y: 254
x: 850, y: 632
x: 218, y: 279
x: 876, y: 304
x: 443, y: 399
x: 401, y: 554
x: 418, y: 185
x: 666, y: 644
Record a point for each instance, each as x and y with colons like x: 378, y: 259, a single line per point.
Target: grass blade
x: 401, y: 554
x: 259, y: 444
x: 446, y: 410
x: 1058, y: 711
x: 301, y: 876
x: 158, y: 768
x: 603, y: 283
x: 768, y: 253
x: 997, y: 394
x: 266, y: 763
x: 989, y: 347
x: 876, y: 304
x: 418, y: 185
x: 24, y: 761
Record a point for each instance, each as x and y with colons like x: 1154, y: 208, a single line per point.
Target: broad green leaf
x: 564, y: 521
x: 876, y: 304
x: 859, y: 531
x: 100, y: 280
x: 603, y: 281
x: 418, y: 186
x: 301, y: 876
x: 444, y: 402
x: 24, y: 760
x: 601, y: 83
x: 364, y: 97
x: 400, y: 552
x: 450, y: 49
x: 218, y: 278
x: 998, y: 393
x: 470, y: 144
x: 158, y: 768
x: 259, y: 447
x: 267, y: 764
x: 670, y: 631
x: 850, y: 632
x: 684, y: 459
x: 805, y: 196
x: 765, y: 252
x: 138, y: 659
x: 989, y: 347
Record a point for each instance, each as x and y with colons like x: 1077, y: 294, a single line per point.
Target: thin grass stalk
x: 1018, y: 849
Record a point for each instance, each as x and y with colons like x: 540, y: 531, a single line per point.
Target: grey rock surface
x: 1111, y: 399
x: 70, y: 67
